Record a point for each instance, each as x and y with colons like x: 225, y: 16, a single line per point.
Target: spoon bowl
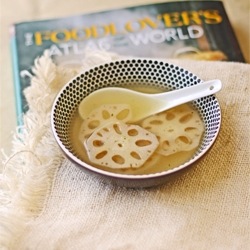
x: 144, y: 105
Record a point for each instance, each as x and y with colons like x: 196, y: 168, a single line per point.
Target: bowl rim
x: 83, y: 164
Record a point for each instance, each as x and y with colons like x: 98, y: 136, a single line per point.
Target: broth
x: 156, y: 163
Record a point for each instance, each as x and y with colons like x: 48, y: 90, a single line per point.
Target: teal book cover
x: 198, y: 30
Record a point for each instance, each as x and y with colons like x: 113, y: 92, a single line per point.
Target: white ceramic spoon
x: 144, y: 105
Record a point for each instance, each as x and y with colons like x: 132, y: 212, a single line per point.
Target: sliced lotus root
x: 178, y: 129
x: 104, y: 114
x: 119, y: 145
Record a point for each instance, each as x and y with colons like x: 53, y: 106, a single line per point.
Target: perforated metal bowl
x: 127, y: 72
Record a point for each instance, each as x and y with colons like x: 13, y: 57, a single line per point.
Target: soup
x: 177, y: 131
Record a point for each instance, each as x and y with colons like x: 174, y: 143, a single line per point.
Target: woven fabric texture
x: 54, y: 205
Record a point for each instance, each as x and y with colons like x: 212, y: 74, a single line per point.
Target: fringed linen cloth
x: 48, y: 203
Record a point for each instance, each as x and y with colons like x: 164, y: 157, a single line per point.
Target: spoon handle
x: 187, y: 94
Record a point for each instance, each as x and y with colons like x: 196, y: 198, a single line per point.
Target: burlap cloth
x: 48, y: 203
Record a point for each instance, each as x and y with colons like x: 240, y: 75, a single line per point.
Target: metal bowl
x: 131, y: 72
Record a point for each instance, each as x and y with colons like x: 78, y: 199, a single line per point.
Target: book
x: 198, y: 30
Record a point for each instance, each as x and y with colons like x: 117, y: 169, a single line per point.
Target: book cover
x: 197, y: 30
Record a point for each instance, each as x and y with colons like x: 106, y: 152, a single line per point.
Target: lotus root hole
x: 101, y: 154
x: 169, y: 116
x: 135, y: 155
x: 123, y: 114
x: 186, y: 118
x: 118, y: 159
x: 165, y: 144
x: 190, y: 129
x: 93, y: 124
x: 183, y: 139
x: 98, y: 143
x: 132, y: 132
x: 143, y: 143
x: 117, y: 129
x: 99, y: 134
x: 156, y: 122
x: 105, y: 115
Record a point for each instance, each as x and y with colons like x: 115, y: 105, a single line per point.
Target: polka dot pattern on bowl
x: 146, y: 72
